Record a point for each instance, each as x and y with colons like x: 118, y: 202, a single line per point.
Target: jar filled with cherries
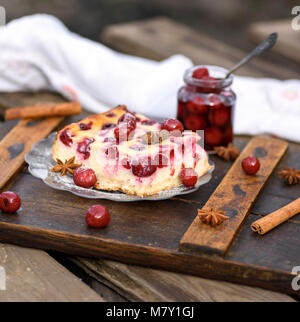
x: 206, y: 102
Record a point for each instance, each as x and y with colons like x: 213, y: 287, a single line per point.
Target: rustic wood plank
x: 158, y: 38
x: 145, y: 284
x: 32, y: 275
x: 23, y: 134
x: 288, y: 43
x: 52, y: 219
x: 235, y: 194
x: 18, y: 142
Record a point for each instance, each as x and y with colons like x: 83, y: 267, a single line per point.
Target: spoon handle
x: 268, y: 43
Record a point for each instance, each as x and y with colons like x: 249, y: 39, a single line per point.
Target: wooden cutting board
x: 151, y: 233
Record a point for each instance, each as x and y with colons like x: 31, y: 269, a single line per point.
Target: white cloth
x: 38, y: 52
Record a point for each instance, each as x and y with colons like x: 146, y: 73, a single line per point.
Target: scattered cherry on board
x: 84, y: 177
x: 251, y: 165
x: 9, y: 201
x: 188, y: 177
x: 97, y: 216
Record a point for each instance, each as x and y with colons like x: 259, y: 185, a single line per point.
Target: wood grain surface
x: 161, y: 37
x: 288, y: 43
x: 19, y: 141
x: 145, y: 284
x: 20, y: 136
x: 235, y: 195
x: 32, y: 276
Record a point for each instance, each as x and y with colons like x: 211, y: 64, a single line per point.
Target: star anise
x: 65, y: 167
x: 290, y: 175
x: 212, y: 217
x: 228, y: 153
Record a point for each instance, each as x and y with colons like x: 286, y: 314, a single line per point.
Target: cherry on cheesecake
x: 126, y: 163
x: 65, y: 137
x: 172, y: 125
x: 160, y: 160
x: 188, y: 177
x: 84, y: 177
x: 127, y: 118
x: 143, y: 166
x: 97, y: 216
x: 9, y: 201
x: 251, y: 165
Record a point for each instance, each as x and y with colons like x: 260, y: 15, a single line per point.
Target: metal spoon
x: 268, y: 43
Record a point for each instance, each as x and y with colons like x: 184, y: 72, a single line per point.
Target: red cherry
x: 108, y: 125
x: 251, y: 165
x: 180, y: 110
x: 110, y: 114
x: 209, y: 78
x: 148, y: 122
x: 214, y: 101
x: 200, y: 72
x: 228, y: 134
x: 9, y: 201
x: 83, y: 147
x: 127, y: 118
x: 85, y: 126
x: 172, y: 125
x: 126, y: 163
x: 195, y: 122
x: 212, y: 136
x: 188, y: 177
x: 123, y: 132
x: 209, y: 84
x: 160, y: 160
x: 97, y: 216
x: 84, y: 177
x: 143, y: 166
x: 65, y: 137
x: 219, y: 117
x: 197, y: 105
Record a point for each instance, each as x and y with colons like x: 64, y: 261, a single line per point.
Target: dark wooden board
x: 235, y: 195
x: 148, y: 233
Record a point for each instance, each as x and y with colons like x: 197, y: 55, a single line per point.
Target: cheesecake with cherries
x: 131, y: 153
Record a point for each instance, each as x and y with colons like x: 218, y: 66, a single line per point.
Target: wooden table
x: 288, y: 44
x: 34, y: 275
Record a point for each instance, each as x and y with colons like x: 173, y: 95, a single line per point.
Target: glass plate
x: 40, y: 162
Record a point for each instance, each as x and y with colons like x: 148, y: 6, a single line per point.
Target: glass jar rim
x: 215, y: 71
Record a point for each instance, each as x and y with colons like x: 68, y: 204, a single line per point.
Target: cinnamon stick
x: 43, y: 110
x: 267, y: 223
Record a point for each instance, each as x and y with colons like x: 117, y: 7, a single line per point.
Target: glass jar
x: 207, y: 104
